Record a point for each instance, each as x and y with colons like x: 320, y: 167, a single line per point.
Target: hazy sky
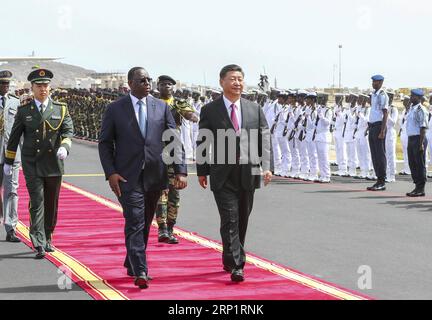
x: 295, y: 41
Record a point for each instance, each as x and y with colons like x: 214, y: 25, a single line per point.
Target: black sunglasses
x: 144, y: 80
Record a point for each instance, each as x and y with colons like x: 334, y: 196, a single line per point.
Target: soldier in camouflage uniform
x: 169, y: 202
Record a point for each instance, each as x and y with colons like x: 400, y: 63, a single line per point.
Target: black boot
x: 163, y: 234
x: 49, y: 247
x: 11, y: 237
x: 418, y: 192
x: 172, y: 237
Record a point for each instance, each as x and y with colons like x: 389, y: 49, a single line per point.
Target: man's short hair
x: 229, y: 68
x: 132, y: 72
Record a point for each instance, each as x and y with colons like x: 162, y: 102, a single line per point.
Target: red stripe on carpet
x: 92, y: 234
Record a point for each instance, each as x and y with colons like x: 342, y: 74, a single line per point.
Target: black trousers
x: 235, y: 206
x: 139, y: 208
x: 417, y: 160
x: 378, y: 151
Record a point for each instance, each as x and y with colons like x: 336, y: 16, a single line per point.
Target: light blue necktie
x: 142, y: 115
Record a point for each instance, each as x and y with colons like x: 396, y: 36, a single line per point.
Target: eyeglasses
x: 143, y: 80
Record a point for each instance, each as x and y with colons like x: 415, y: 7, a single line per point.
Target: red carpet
x: 90, y: 241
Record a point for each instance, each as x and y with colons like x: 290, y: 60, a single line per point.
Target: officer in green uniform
x: 169, y: 202
x: 47, y: 129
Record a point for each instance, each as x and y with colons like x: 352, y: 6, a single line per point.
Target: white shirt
x: 238, y: 109
x: 136, y: 105
x: 38, y: 103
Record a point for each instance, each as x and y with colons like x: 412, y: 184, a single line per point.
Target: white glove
x: 7, y: 169
x: 62, y: 153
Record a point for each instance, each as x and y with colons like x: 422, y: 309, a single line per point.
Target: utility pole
x: 340, y: 66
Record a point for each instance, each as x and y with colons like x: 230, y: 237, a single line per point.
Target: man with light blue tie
x: 130, y: 150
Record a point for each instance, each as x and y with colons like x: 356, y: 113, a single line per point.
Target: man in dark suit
x: 237, y: 128
x: 131, y: 151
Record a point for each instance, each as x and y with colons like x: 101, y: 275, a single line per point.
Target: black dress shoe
x: 416, y: 193
x: 131, y: 274
x: 11, y: 237
x: 49, y: 247
x: 379, y: 187
x: 163, y: 234
x: 40, y: 253
x: 237, y: 275
x: 142, y: 281
x: 371, y: 188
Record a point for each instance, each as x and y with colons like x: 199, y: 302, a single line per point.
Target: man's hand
x: 267, y: 177
x: 381, y: 136
x: 62, y: 153
x: 203, y: 181
x: 180, y: 182
x: 114, y: 182
x: 421, y: 148
x: 7, y: 169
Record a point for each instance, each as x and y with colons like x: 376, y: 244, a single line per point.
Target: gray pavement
x: 24, y: 278
x: 328, y: 231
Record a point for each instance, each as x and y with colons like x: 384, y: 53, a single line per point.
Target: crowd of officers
x: 303, y: 126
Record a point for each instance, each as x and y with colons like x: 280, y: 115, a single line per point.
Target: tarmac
x: 377, y: 244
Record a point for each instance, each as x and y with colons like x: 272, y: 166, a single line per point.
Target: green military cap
x: 166, y: 78
x: 40, y: 76
x: 5, y: 76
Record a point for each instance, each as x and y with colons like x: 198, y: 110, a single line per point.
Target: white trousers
x: 285, y: 155
x: 364, y: 156
x: 351, y: 157
x: 390, y: 144
x: 341, y: 156
x: 277, y: 155
x: 313, y: 158
x: 304, y: 159
x: 295, y: 157
x: 322, y: 149
x: 404, y: 141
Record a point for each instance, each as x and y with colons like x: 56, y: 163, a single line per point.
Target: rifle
x: 303, y: 133
x: 356, y: 125
x: 315, y: 131
x: 293, y: 131
x: 285, y: 132
x: 275, y: 122
x: 403, y: 122
x: 345, y: 124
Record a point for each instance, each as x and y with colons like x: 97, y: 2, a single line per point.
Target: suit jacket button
x: 38, y: 150
x: 37, y: 141
x: 37, y: 130
x: 49, y: 150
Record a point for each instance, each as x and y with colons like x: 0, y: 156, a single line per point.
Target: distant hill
x: 62, y: 71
